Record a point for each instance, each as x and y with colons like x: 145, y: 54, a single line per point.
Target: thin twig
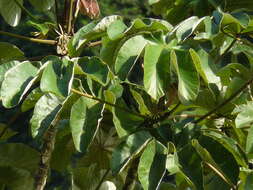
x: 225, y: 102
x: 49, y: 42
x: 92, y: 44
x: 105, y: 102
x: 102, y: 179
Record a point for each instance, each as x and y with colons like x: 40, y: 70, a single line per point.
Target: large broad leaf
x: 17, y: 82
x: 244, y: 118
x: 128, y: 55
x: 44, y: 114
x: 31, y: 99
x: 152, y: 168
x: 125, y: 122
x: 95, y: 69
x: 230, y: 144
x: 84, y: 128
x: 187, y: 27
x: 204, y: 66
x: 18, y: 155
x: 57, y: 77
x: 188, y: 78
x: 15, y: 178
x: 156, y: 70
x: 148, y: 24
x: 191, y: 167
x: 123, y: 153
x: 44, y: 5
x: 10, y: 11
x: 249, y: 143
x: 9, y: 52
x: 116, y: 29
x: 218, y: 158
x: 4, y: 68
x: 92, y: 31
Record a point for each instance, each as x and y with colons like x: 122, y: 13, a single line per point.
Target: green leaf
x: 57, y: 77
x: 151, y: 168
x: 188, y: 78
x: 44, y: 5
x: 141, y: 103
x: 230, y: 144
x: 92, y: 31
x: 191, y: 167
x: 82, y: 127
x: 20, y: 156
x: 31, y: 99
x: 17, y: 82
x: 244, y: 118
x: 156, y: 70
x: 16, y: 178
x: 249, y: 143
x: 127, y: 150
x: 172, y: 162
x: 223, y: 162
x: 95, y: 68
x: 125, y: 123
x: 4, y: 68
x: 128, y: 55
x: 116, y: 29
x: 148, y: 25
x: 9, y: 52
x: 10, y: 11
x: 187, y: 27
x: 6, y: 132
x: 44, y: 114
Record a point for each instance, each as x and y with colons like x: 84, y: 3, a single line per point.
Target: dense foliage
x: 163, y: 104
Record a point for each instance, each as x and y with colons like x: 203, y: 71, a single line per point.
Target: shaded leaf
x: 126, y: 151
x: 9, y: 52
x: 10, y: 11
x: 82, y: 127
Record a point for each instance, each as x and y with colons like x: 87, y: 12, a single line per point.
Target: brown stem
x: 131, y: 175
x: 49, y: 42
x: 46, y: 153
x: 225, y: 102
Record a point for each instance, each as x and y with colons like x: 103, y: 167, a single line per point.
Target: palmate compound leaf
x: 85, y: 118
x: 128, y: 149
x: 57, y: 76
x: 17, y: 81
x: 188, y: 78
x: 152, y: 164
x: 156, y: 70
x: 10, y: 11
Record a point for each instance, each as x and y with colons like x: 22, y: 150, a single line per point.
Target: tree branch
x: 108, y: 103
x: 35, y: 40
x: 225, y: 102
